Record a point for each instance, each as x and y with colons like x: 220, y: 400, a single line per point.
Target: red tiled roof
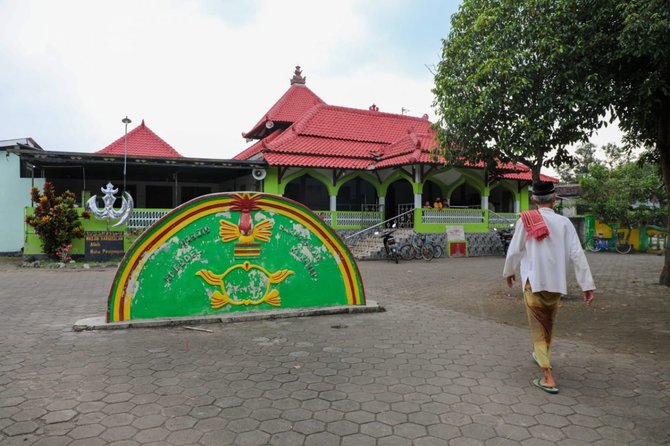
x: 295, y: 141
x: 326, y: 136
x: 358, y: 125
x: 329, y: 162
x: 297, y: 100
x: 528, y: 176
x: 522, y: 172
x: 339, y: 132
x: 412, y: 148
x: 142, y: 141
x: 256, y: 147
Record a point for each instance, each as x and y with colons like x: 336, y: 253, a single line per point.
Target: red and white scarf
x: 535, y: 225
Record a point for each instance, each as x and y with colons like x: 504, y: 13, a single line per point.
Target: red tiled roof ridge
x: 376, y: 113
x: 141, y: 141
x: 409, y: 143
x: 312, y: 123
x: 275, y: 112
x: 321, y: 155
x: 279, y: 145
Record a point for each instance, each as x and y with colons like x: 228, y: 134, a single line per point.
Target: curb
x: 98, y: 323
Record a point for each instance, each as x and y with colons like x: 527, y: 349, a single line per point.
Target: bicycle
x: 418, y: 248
x: 599, y: 243
x: 623, y: 245
x: 438, y: 251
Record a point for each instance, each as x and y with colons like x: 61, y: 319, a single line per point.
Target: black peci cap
x: 541, y: 188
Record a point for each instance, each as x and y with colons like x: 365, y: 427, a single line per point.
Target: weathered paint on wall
x: 14, y: 196
x: 230, y: 252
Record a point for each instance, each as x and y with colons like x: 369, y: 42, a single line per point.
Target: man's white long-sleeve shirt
x: 545, y: 263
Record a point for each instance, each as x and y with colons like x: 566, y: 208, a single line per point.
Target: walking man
x: 544, y: 243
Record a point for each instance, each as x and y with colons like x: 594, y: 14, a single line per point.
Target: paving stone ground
x: 448, y: 363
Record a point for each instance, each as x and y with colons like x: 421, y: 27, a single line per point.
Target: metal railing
x: 502, y: 219
x: 349, y: 219
x: 352, y: 218
x: 452, y: 216
x: 326, y: 216
x: 143, y: 218
x: 399, y: 217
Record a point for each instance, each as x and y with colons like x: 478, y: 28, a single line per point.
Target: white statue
x: 109, y: 213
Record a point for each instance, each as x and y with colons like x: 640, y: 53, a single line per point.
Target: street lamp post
x: 126, y: 121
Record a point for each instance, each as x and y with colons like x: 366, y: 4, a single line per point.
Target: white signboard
x: 455, y: 233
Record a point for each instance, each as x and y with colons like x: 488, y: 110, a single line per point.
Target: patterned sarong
x: 541, y: 308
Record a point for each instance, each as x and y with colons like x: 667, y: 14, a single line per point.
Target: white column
x: 485, y: 202
x: 382, y: 204
x: 417, y: 201
x: 333, y: 203
x: 517, y: 206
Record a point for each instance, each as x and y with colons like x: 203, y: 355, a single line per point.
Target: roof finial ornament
x: 373, y: 107
x: 297, y: 77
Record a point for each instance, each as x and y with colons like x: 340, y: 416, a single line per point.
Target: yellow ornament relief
x: 221, y: 298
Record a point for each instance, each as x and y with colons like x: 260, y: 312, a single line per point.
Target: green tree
x: 627, y: 195
x: 520, y: 79
x: 55, y: 219
x: 616, y: 155
x: 584, y: 158
x: 508, y: 89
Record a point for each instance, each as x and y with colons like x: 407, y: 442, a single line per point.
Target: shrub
x: 55, y: 219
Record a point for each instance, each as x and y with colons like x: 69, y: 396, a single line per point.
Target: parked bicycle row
x: 418, y: 247
x: 597, y: 243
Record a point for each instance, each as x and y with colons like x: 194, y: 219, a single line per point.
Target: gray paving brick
x: 309, y: 426
x: 218, y: 438
x: 87, y: 431
x: 287, y: 439
x: 322, y: 439
x: 91, y: 442
x: 20, y: 428
x: 121, y: 419
x: 419, y: 374
x: 149, y: 435
x: 376, y: 429
x: 184, y: 437
x: 118, y: 433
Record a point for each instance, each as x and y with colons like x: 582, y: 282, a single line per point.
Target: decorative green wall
x: 224, y: 253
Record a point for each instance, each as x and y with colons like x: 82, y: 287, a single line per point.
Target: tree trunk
x: 663, y: 147
x: 536, y: 167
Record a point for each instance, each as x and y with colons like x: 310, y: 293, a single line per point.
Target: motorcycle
x: 389, y: 244
x: 505, y: 235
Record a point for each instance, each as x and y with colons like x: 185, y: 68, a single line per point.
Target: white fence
x: 452, y: 216
x: 357, y: 219
x: 143, y: 218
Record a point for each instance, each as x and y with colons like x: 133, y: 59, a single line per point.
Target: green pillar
x: 271, y: 181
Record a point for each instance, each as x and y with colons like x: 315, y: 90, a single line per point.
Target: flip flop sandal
x: 537, y: 383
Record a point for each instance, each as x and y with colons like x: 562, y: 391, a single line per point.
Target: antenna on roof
x: 404, y: 110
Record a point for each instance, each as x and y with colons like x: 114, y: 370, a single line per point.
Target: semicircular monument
x: 232, y: 252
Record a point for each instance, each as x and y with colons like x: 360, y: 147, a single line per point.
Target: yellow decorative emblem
x: 245, y: 231
x: 221, y: 298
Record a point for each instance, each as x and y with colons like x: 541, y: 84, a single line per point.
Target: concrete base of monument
x: 98, y: 323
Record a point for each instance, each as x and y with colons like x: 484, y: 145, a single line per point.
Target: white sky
x: 201, y: 72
